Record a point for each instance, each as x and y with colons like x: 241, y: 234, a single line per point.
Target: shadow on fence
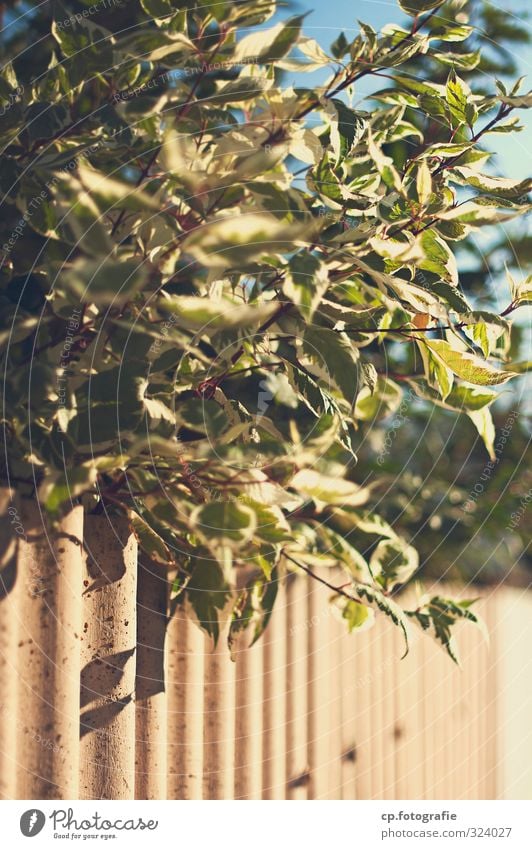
x: 106, y: 697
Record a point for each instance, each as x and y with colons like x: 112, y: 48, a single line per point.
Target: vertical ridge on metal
x: 350, y: 649
x: 150, y: 689
x: 364, y: 714
x: 317, y: 680
x: 408, y: 729
x: 50, y: 573
x: 185, y: 644
x: 389, y: 777
x: 9, y: 629
x: 332, y: 692
x: 248, y: 719
x: 274, y: 702
x: 491, y: 701
x: 296, y: 688
x: 219, y: 721
x: 109, y: 631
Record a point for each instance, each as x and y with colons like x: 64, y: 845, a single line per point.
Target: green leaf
x: 487, y: 330
x: 244, y: 88
x: 367, y: 522
x: 253, y: 608
x: 328, y: 490
x: 452, y: 33
x: 105, y: 281
x: 458, y: 95
x: 351, y: 559
x: 108, y: 191
x: 385, y: 166
x: 380, y: 403
x: 423, y: 183
x: 159, y: 10
x: 231, y: 241
x: 270, y: 44
x: 212, y: 314
x: 466, y: 61
x: 150, y: 541
x: 357, y: 616
x: 393, y: 562
x: 417, y: 7
x: 224, y: 521
x: 497, y: 187
x: 88, y: 47
x: 438, y: 257
x: 309, y: 391
x: 438, y: 615
x: 346, y: 130
x: 45, y: 120
x: 438, y: 374
x: 378, y: 601
x: 337, y: 359
x: 60, y: 488
x: 208, y: 593
x: 164, y: 48
x: 306, y: 282
x: 521, y: 291
x: 483, y: 422
x: 271, y: 526
x: 340, y: 46
x: 467, y: 366
x: 522, y: 101
x: 462, y: 399
x: 325, y: 182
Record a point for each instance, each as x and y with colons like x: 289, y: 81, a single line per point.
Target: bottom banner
x: 226, y: 824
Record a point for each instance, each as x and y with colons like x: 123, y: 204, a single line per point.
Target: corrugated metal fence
x: 102, y: 697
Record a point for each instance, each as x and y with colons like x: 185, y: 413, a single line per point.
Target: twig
x: 312, y: 574
x: 417, y: 24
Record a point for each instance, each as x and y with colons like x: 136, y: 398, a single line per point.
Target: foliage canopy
x: 212, y: 279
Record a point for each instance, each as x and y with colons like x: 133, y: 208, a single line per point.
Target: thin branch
x: 275, y: 317
x: 143, y: 175
x: 448, y: 163
x: 416, y: 26
x: 312, y: 574
x: 254, y: 368
x: 456, y: 326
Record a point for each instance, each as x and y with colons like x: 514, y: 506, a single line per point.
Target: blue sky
x: 328, y: 17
